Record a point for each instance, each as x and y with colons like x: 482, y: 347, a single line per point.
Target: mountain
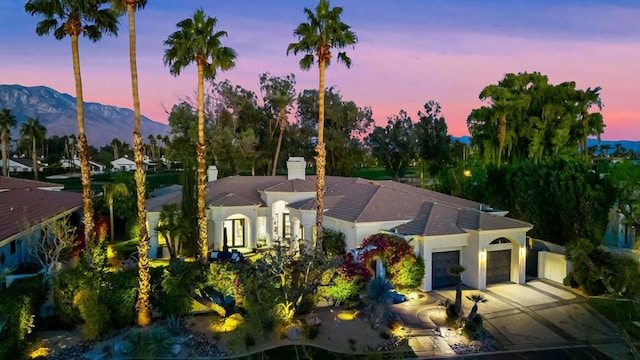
x: 627, y: 144
x: 57, y: 112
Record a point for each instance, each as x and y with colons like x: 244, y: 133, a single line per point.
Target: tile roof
x: 22, y: 206
x: 17, y: 183
x: 426, y: 212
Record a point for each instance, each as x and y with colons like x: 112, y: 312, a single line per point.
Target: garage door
x: 498, y: 266
x: 440, y: 263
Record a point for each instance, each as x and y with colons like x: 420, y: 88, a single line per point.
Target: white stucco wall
x: 552, y: 266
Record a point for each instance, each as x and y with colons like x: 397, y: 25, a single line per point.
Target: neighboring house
x: 20, y: 165
x: 25, y: 206
x: 74, y: 163
x: 126, y: 164
x: 443, y: 229
x: 123, y: 164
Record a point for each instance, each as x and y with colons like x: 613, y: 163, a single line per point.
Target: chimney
x: 295, y: 168
x: 212, y: 173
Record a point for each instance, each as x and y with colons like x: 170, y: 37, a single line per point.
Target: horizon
x: 448, y: 57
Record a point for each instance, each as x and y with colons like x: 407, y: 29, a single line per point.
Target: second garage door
x: 440, y: 263
x: 498, y: 266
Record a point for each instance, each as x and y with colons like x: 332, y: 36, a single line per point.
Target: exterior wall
x: 152, y: 222
x: 518, y: 246
x: 123, y: 164
x: 218, y: 215
x: 552, y: 266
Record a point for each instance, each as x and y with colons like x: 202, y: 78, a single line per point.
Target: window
x: 13, y: 247
x: 286, y: 226
x: 235, y: 232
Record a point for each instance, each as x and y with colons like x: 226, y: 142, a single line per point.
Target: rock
x: 294, y: 332
x: 175, y: 349
x: 313, y: 319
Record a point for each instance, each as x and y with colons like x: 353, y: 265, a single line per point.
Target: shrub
x: 333, y: 242
x: 408, y: 272
x: 346, y: 288
x: 94, y: 312
x: 18, y: 305
x: 67, y: 284
x: 179, y: 281
x: 121, y: 296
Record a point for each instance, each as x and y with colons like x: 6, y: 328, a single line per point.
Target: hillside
x: 57, y: 112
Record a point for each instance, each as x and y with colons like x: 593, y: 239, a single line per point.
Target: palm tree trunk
x: 85, y: 171
x: 321, y: 155
x: 502, y: 135
x: 111, y: 217
x: 275, y: 157
x: 5, y: 151
x: 201, y: 152
x: 585, y: 115
x: 144, y: 278
x: 34, y: 157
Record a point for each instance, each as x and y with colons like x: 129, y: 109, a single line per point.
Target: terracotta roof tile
x: 16, y: 183
x: 22, y: 206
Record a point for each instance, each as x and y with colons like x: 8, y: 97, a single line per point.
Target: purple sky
x: 410, y: 51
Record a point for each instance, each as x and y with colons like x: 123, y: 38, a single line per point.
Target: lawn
x: 620, y: 312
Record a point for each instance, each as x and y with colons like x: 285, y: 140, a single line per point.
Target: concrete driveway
x: 538, y: 315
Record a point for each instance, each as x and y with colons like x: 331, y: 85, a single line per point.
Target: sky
x: 409, y: 52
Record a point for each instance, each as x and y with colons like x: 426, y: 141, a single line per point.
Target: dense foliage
x: 19, y: 305
x: 529, y: 118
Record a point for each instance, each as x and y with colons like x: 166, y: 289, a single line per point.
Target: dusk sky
x: 409, y: 52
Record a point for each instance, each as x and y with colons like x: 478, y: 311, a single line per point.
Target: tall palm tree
x: 590, y: 122
x: 196, y: 41
x: 280, y: 101
x: 144, y: 278
x: 36, y: 132
x: 7, y: 121
x: 73, y: 18
x: 111, y: 192
x: 323, y: 31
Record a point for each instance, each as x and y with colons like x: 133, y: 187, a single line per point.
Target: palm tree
x: 477, y: 299
x: 590, y: 122
x: 7, y: 121
x: 33, y: 130
x: 280, y: 101
x: 456, y: 272
x: 112, y: 191
x: 323, y: 32
x: 74, y: 18
x: 196, y: 41
x: 144, y: 278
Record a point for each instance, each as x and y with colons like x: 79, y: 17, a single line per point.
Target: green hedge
x: 19, y: 305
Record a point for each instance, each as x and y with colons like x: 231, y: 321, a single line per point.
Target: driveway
x: 538, y: 315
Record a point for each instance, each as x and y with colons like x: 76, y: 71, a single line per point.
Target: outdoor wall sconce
x: 483, y: 255
x: 523, y: 251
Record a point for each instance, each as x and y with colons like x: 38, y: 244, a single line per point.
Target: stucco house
x: 25, y: 206
x: 443, y: 229
x: 20, y: 165
x: 74, y: 163
x: 126, y: 164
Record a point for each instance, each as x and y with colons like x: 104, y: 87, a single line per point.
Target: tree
x: 323, y: 32
x: 625, y: 178
x: 280, y: 93
x: 196, y: 41
x: 57, y: 240
x: 477, y: 299
x: 7, y: 121
x: 173, y: 227
x: 35, y: 132
x: 592, y: 123
x: 456, y: 272
x: 433, y: 140
x: 73, y: 18
x: 144, y: 278
x: 111, y: 192
x: 395, y: 145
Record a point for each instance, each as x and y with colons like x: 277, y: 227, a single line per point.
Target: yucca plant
x: 477, y: 299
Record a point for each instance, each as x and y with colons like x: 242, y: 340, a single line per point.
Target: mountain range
x: 627, y: 144
x: 57, y: 112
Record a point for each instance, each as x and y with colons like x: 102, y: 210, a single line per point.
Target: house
x: 20, y: 165
x: 126, y: 164
x: 443, y: 229
x: 25, y: 206
x: 74, y: 163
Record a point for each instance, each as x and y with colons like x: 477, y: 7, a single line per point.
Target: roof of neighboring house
x: 23, y: 161
x: 17, y: 183
x: 24, y: 206
x: 358, y: 200
x: 123, y: 160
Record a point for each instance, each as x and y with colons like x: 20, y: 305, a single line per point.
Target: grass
x: 620, y: 312
x: 125, y: 248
